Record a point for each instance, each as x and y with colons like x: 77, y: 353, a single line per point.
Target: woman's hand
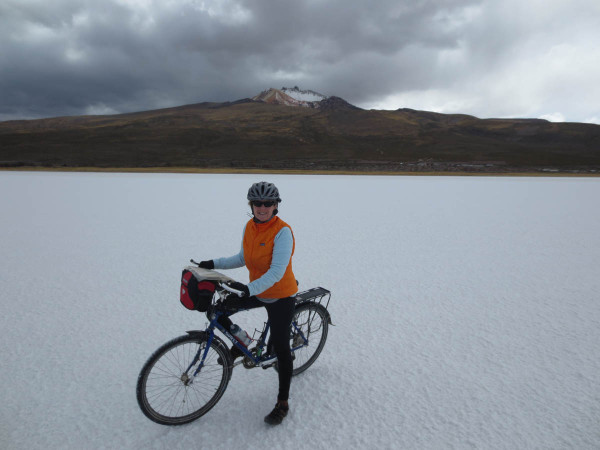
x: 207, y: 264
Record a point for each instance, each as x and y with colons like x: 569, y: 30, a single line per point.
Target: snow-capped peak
x: 291, y: 97
x: 303, y: 95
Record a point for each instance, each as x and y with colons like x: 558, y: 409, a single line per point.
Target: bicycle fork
x: 199, y: 356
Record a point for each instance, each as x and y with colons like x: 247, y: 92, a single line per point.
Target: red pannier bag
x: 195, y: 294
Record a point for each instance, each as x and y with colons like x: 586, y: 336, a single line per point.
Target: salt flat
x: 466, y: 310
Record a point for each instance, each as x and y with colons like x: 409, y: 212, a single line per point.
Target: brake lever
x: 231, y: 290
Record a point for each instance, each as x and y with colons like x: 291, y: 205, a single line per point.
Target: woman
x: 267, y: 249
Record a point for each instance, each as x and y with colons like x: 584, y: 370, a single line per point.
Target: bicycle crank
x: 247, y: 361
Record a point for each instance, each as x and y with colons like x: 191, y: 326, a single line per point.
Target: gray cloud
x: 484, y: 58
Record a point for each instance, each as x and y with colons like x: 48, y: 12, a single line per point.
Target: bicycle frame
x: 259, y: 360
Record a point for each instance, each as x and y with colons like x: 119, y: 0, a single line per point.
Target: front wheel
x: 308, y: 334
x: 167, y: 391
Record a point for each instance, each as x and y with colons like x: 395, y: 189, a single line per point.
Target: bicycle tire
x: 313, y: 320
x: 162, y: 393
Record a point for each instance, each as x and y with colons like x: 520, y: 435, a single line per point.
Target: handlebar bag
x: 195, y: 294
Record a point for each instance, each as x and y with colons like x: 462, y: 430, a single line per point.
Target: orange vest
x: 259, y: 240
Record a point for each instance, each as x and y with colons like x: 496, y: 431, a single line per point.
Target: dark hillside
x: 336, y: 135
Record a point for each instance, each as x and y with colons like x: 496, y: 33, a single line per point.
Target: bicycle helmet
x: 263, y: 191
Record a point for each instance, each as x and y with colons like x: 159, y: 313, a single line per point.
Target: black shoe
x: 276, y: 416
x: 235, y: 353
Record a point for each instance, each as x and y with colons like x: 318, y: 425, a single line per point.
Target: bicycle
x: 186, y: 377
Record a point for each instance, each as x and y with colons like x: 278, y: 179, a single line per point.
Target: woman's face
x: 263, y: 213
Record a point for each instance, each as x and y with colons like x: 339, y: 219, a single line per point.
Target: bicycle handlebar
x: 223, y: 284
x: 230, y: 289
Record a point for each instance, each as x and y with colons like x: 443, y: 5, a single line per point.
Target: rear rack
x: 317, y: 295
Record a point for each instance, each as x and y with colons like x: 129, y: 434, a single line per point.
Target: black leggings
x: 280, y: 315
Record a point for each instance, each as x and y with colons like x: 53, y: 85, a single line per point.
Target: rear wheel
x: 308, y: 334
x: 166, y: 391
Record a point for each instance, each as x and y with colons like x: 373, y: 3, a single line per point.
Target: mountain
x: 293, y: 129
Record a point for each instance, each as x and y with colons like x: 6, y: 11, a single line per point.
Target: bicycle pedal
x: 268, y: 366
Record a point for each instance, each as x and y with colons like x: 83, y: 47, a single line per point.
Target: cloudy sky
x: 489, y: 58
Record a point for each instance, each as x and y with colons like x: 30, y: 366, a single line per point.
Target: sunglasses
x: 267, y: 204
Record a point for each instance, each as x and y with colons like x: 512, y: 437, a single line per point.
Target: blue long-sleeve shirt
x: 283, y: 245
